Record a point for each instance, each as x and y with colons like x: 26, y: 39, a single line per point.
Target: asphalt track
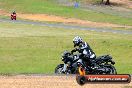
x: 56, y: 25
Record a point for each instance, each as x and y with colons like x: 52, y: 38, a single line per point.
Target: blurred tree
x: 102, y: 1
x: 106, y: 3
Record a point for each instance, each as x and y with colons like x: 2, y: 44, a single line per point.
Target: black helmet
x: 14, y: 12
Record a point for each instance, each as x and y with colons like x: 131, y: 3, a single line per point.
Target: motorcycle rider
x: 86, y: 53
x: 13, y: 13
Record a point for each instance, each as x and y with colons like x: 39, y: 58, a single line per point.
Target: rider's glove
x: 74, y: 50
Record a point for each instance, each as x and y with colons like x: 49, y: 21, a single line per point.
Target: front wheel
x: 11, y: 18
x: 59, y: 68
x: 81, y: 80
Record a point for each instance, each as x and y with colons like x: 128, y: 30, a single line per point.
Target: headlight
x: 62, y: 59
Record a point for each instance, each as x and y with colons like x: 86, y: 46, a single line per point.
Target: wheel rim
x: 112, y: 70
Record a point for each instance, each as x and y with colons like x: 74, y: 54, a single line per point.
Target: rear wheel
x: 111, y: 69
x: 14, y: 18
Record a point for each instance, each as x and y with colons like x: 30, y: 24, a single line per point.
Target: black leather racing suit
x: 86, y: 53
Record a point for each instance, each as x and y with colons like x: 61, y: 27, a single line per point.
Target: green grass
x: 37, y: 49
x: 51, y: 7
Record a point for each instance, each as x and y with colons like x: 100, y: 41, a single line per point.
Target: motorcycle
x: 13, y: 16
x: 102, y: 65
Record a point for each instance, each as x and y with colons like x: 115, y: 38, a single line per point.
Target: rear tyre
x: 14, y: 18
x: 112, y: 69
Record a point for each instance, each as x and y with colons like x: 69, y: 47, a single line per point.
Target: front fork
x: 81, y: 70
x: 66, y: 68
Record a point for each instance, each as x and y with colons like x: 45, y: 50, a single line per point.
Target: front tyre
x: 81, y: 80
x: 59, y: 68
